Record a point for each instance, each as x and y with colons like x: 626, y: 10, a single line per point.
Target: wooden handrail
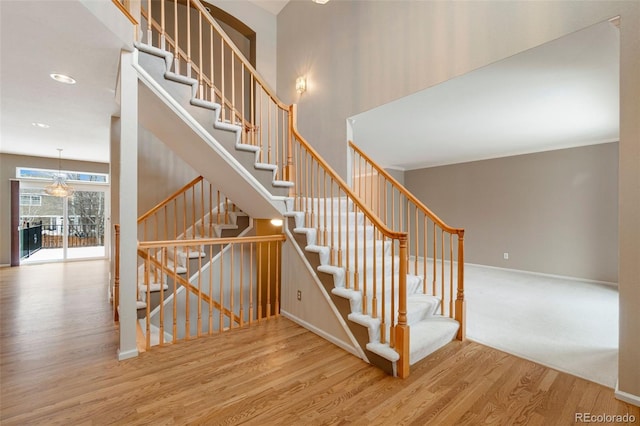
x: 170, y: 198
x: 186, y: 284
x: 211, y: 241
x: 234, y: 48
x: 380, y: 177
x: 406, y: 192
x: 248, y: 126
x: 283, y: 150
x: 375, y: 220
x: 239, y: 54
x: 123, y: 8
x: 399, y: 339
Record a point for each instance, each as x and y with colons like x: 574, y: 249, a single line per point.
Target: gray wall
x: 554, y: 212
x: 8, y: 164
x: 361, y: 54
x: 160, y: 171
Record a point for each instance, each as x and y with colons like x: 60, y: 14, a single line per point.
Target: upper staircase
x: 393, y: 270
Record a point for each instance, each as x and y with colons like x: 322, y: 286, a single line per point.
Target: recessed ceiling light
x: 41, y: 125
x: 63, y: 78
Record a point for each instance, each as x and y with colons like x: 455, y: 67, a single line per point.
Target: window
x: 30, y: 200
x: 29, y: 173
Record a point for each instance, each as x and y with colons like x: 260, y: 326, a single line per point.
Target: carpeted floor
x: 568, y: 325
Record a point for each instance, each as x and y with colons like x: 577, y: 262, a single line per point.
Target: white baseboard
x: 541, y: 274
x: 321, y: 333
x: 522, y: 271
x: 627, y: 397
x: 122, y: 355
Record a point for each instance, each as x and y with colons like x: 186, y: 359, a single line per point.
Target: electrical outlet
x: 506, y: 256
x: 299, y: 295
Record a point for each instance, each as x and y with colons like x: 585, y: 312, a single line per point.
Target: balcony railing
x: 35, y: 237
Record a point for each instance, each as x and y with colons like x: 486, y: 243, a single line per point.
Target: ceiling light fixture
x: 276, y: 222
x: 61, y: 78
x: 59, y: 187
x: 301, y: 85
x: 40, y: 125
x: 320, y: 1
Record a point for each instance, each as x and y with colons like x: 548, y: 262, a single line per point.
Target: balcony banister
x: 124, y: 8
x: 375, y: 220
x: 406, y: 193
x: 169, y: 199
x: 198, y: 6
x: 207, y: 241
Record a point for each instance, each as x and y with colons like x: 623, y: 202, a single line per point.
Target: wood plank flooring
x: 58, y: 366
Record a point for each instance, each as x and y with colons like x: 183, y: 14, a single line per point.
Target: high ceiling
x: 559, y: 95
x: 272, y: 6
x: 42, y: 37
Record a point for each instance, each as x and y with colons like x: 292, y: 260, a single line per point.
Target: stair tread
x: 384, y: 350
x: 429, y: 335
x: 153, y: 287
x: 278, y: 186
x: 283, y: 183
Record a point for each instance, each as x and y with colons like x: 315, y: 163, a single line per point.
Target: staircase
x: 187, y: 259
x: 359, y: 247
x: 175, y: 271
x: 429, y: 330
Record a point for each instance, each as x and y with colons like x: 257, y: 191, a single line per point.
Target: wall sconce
x: 301, y: 85
x: 276, y: 222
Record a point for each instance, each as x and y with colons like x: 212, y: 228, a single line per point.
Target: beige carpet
x: 568, y: 325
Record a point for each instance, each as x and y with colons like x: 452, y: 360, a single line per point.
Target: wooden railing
x: 190, y: 212
x: 125, y: 7
x: 436, y: 249
x: 238, y: 284
x: 203, y: 51
x: 341, y: 220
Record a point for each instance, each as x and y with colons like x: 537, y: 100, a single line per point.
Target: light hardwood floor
x: 58, y: 366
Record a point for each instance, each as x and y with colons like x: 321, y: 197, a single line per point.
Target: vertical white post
x: 349, y: 176
x: 128, y: 191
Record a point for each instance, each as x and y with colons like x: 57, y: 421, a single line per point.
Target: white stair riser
x: 334, y: 205
x: 340, y: 237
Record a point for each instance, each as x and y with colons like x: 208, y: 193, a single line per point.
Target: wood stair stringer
x: 342, y: 304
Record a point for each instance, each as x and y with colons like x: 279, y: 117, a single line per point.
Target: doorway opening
x: 53, y: 229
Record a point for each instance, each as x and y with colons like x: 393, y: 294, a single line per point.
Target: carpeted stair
x: 428, y: 330
x: 159, y: 64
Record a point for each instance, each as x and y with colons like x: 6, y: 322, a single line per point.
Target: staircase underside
x: 165, y: 110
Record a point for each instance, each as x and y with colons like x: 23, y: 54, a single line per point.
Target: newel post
x: 460, y: 314
x: 402, y: 328
x: 289, y: 170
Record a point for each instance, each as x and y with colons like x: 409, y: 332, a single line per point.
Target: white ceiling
x: 43, y: 37
x: 561, y: 94
x: 564, y: 93
x: 272, y: 6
